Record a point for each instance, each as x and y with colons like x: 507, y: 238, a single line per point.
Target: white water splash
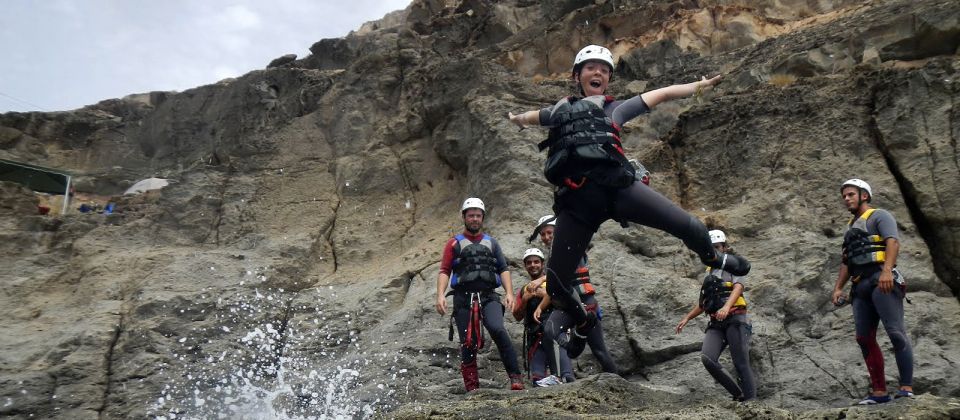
x: 259, y: 377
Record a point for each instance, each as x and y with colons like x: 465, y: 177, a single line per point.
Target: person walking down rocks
x: 474, y: 267
x: 869, y: 261
x: 594, y: 182
x: 721, y: 297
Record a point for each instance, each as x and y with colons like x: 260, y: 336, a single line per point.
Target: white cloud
x: 64, y: 54
x: 239, y: 17
x: 223, y: 72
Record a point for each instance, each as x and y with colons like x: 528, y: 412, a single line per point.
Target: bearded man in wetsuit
x: 474, y: 267
x: 869, y: 261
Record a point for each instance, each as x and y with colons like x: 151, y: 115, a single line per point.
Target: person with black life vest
x: 721, y: 297
x: 473, y: 266
x: 555, y: 324
x: 869, y: 261
x: 595, y: 181
x: 540, y: 352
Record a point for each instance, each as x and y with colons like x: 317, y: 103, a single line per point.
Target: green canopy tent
x: 37, y: 178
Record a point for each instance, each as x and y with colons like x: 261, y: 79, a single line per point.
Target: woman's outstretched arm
x: 658, y: 96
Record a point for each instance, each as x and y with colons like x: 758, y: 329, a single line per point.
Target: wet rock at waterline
x: 290, y: 270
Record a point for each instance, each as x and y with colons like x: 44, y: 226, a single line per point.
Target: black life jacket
x: 715, y: 292
x: 475, y: 266
x: 585, y: 143
x: 860, y: 248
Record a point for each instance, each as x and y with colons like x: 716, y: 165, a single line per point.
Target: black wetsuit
x: 734, y: 331
x: 581, y: 211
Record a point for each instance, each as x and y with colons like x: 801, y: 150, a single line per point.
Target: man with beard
x: 869, y: 261
x: 539, y: 352
x: 473, y: 266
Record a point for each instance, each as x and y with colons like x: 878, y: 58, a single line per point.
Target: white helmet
x: 473, y: 203
x: 543, y: 221
x: 717, y: 236
x: 859, y: 183
x: 533, y: 251
x: 593, y: 52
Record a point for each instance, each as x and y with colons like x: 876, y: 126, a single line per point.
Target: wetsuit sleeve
x: 446, y: 260
x: 545, y: 115
x: 623, y: 111
x: 885, y: 224
x: 497, y: 252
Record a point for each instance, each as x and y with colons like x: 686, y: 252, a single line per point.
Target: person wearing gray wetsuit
x: 595, y: 182
x: 721, y: 296
x: 869, y: 260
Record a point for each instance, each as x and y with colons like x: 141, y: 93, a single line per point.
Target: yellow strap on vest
x: 864, y: 216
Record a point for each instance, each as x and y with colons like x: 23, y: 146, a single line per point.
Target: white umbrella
x: 146, y: 185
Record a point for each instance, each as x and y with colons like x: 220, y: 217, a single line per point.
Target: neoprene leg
x: 551, y: 355
x: 538, y: 363
x: 714, y: 343
x: 739, y: 342
x: 566, y: 365
x: 641, y: 204
x: 556, y: 325
x: 493, y: 321
x: 570, y: 240
x: 889, y: 308
x: 461, y: 314
x: 865, y: 323
x: 597, y: 345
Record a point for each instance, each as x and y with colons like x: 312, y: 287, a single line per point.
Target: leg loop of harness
x: 474, y: 340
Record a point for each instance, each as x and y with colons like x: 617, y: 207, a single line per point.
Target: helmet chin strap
x: 859, y: 201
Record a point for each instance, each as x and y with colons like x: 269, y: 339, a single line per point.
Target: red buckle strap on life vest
x: 474, y: 340
x: 573, y: 185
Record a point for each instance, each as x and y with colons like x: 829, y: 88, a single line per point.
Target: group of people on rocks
x: 595, y: 182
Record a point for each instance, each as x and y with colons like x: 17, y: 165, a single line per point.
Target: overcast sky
x: 64, y: 54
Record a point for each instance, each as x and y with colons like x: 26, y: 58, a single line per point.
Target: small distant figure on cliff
x: 595, y: 182
x: 721, y: 297
x: 539, y: 352
x: 869, y: 261
x: 474, y: 267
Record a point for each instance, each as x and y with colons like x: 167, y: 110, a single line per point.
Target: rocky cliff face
x: 289, y: 270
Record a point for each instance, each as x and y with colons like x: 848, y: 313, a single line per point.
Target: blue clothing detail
x: 494, y: 247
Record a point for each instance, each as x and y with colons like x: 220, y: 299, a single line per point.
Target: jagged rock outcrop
x: 291, y: 267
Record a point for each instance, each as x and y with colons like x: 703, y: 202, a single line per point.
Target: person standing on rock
x: 721, y: 297
x: 595, y: 182
x: 869, y: 261
x: 587, y: 295
x: 540, y: 353
x: 473, y: 266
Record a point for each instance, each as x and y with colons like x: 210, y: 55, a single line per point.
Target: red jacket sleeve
x: 446, y: 261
